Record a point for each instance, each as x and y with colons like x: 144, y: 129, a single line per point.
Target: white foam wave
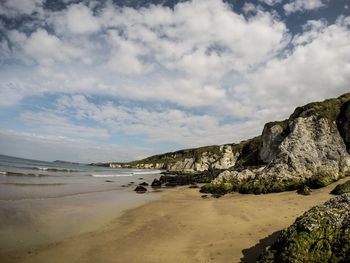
x: 110, y: 175
x: 3, y: 173
x: 53, y: 169
x: 147, y: 172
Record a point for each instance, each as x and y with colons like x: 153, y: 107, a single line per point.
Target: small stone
x: 140, y: 189
x: 156, y: 183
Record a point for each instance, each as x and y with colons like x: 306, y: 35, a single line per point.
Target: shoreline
x: 180, y: 226
x: 33, y: 222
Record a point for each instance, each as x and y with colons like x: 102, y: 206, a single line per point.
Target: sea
x: 59, y: 178
x: 43, y: 202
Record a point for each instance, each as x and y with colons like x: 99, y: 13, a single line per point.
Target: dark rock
x: 124, y: 185
x: 144, y: 184
x: 304, y: 190
x: 156, y: 183
x: 204, y: 196
x: 216, y: 195
x: 341, y: 189
x: 194, y: 186
x: 187, y: 178
x: 140, y: 189
x: 141, y: 178
x: 320, y: 181
x: 109, y: 181
x: 343, y: 123
x: 171, y: 184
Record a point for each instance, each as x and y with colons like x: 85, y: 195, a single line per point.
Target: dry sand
x: 183, y: 227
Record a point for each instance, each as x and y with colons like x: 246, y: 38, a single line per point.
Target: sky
x: 92, y: 81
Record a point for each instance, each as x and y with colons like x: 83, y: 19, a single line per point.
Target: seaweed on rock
x: 322, y: 234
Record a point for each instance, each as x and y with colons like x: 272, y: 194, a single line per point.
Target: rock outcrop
x: 310, y: 147
x: 322, y: 234
x: 190, y: 160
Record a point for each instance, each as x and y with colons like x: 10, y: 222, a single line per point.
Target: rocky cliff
x: 311, y: 146
x: 322, y: 234
x: 198, y: 159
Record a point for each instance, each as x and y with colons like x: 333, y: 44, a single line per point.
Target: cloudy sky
x: 119, y: 80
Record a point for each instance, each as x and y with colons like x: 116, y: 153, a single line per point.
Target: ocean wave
x: 51, y: 169
x: 110, y: 175
x: 21, y: 174
x: 31, y: 184
x: 147, y: 172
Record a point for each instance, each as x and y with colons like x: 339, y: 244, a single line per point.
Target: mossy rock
x: 264, y: 186
x: 304, y: 190
x: 320, y: 180
x: 322, y: 234
x: 341, y: 189
x: 187, y: 178
x: 216, y: 188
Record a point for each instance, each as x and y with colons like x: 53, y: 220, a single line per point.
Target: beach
x: 181, y: 226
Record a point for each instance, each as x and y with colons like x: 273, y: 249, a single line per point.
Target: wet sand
x: 181, y: 226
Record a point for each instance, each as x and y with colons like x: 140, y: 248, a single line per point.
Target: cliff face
x: 190, y: 160
x: 314, y: 142
x: 320, y: 235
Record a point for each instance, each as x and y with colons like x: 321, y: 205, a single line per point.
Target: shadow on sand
x: 251, y: 254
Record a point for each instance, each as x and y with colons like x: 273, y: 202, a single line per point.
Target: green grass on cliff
x: 172, y: 157
x: 328, y: 109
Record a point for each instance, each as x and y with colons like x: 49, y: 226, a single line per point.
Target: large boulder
x: 322, y: 234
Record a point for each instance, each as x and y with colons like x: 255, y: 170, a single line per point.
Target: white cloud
x: 184, y: 55
x: 125, y: 56
x: 12, y: 8
x: 167, y: 125
x: 271, y: 2
x: 77, y: 19
x: 318, y: 67
x: 304, y: 5
x: 54, y: 124
x: 43, y: 48
x: 193, y: 75
x: 48, y: 147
